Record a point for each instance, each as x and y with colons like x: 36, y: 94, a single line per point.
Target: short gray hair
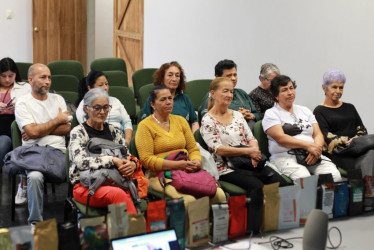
x: 267, y: 69
x: 333, y: 75
x: 92, y: 95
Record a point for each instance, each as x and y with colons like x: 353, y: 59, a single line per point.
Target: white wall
x: 16, y: 33
x: 304, y: 38
x: 103, y: 28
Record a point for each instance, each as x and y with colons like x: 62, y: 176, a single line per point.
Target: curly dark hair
x: 159, y: 75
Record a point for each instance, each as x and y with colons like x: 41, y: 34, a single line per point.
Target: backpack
x: 93, y: 179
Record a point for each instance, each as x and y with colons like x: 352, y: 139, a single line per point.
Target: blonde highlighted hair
x: 214, y: 85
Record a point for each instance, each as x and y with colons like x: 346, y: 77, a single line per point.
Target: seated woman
x: 340, y: 124
x: 172, y: 76
x: 290, y: 126
x: 96, y: 106
x: 222, y: 129
x: 261, y: 96
x: 118, y: 115
x: 11, y: 89
x: 163, y: 133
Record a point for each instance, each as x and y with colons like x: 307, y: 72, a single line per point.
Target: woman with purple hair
x: 340, y: 124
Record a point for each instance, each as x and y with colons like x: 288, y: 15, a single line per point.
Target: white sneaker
x: 21, y: 196
x: 32, y: 226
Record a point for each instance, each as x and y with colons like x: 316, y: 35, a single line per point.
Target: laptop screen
x: 159, y: 240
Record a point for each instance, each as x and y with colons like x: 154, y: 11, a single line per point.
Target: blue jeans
x: 35, y: 192
x: 5, y: 147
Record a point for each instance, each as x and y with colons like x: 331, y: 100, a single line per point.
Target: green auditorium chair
x: 66, y: 67
x: 64, y: 83
x: 108, y: 64
x: 142, y: 77
x: 116, y: 78
x: 196, y: 90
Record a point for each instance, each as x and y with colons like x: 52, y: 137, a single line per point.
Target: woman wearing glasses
x: 117, y: 116
x: 96, y: 107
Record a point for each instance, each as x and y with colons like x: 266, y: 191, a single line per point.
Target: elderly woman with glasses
x: 96, y: 106
x: 117, y: 116
x: 341, y: 124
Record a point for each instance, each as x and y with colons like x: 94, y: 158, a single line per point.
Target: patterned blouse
x: 262, y: 99
x: 217, y: 134
x: 78, y: 156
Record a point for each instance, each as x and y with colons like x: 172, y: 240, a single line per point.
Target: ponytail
x: 82, y: 90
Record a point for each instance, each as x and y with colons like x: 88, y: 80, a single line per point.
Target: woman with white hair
x: 340, y: 124
x: 96, y: 107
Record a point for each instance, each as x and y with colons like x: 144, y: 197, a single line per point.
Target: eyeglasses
x: 98, y: 108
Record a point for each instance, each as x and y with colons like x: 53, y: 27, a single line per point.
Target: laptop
x: 159, y: 240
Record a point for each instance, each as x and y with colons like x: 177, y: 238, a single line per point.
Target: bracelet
x: 136, y: 164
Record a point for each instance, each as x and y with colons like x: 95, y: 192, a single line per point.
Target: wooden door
x: 59, y: 30
x: 128, y: 33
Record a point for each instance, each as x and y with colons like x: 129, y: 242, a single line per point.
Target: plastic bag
x: 208, y: 163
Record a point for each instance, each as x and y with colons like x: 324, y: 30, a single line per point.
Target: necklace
x: 159, y: 121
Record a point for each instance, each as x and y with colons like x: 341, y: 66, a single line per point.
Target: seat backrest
x: 144, y: 94
x: 108, y: 64
x: 132, y: 147
x: 66, y: 67
x: 126, y: 97
x: 64, y: 83
x: 23, y: 68
x: 196, y: 90
x: 262, y: 138
x: 116, y: 78
x: 142, y: 77
x: 69, y: 96
x: 200, y: 140
x: 16, y: 135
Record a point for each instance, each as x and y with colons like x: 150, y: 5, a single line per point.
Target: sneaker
x: 32, y: 226
x: 21, y: 196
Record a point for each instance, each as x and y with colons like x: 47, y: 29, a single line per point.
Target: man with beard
x: 43, y: 120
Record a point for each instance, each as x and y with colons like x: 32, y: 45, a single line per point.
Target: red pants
x: 104, y: 196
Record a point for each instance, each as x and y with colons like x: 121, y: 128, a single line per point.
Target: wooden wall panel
x: 128, y: 33
x: 59, y: 30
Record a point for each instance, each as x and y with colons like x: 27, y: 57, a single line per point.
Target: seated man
x: 261, y: 96
x: 240, y: 102
x: 43, y: 119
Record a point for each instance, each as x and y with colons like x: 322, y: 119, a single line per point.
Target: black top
x: 342, y: 121
x: 103, y: 134
x: 262, y: 99
x: 5, y: 124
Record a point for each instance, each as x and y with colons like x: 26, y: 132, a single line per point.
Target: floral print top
x: 217, y: 134
x: 79, y: 158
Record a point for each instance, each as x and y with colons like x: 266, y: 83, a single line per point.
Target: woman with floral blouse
x: 222, y: 129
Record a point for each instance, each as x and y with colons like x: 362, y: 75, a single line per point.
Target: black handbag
x: 243, y: 161
x: 301, y: 155
x: 357, y: 147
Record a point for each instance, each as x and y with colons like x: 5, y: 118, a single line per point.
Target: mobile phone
x: 10, y: 101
